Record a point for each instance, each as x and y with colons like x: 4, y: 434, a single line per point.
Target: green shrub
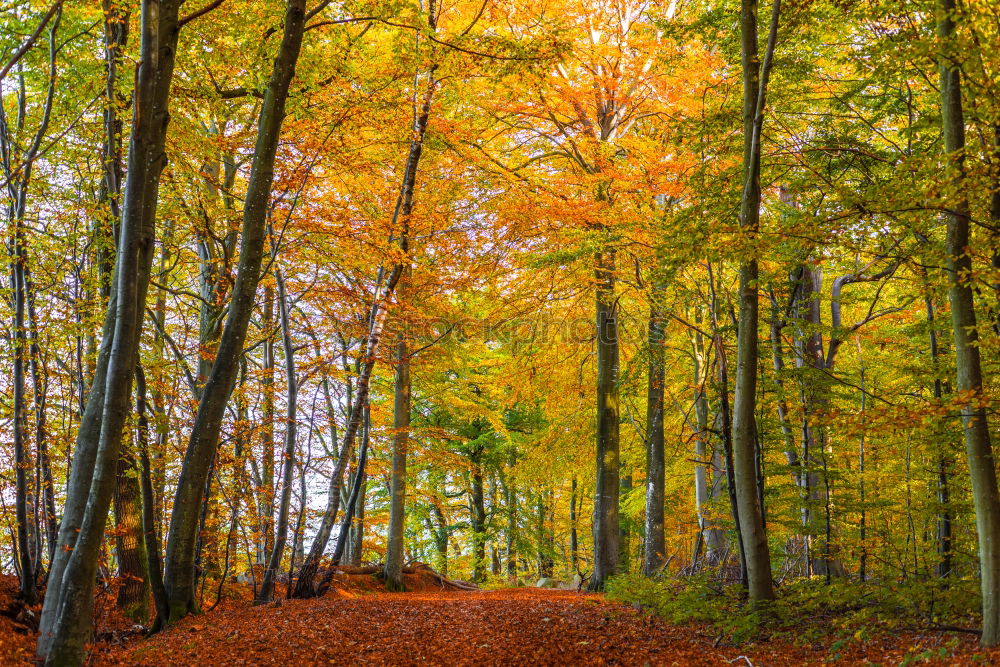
x: 807, y: 610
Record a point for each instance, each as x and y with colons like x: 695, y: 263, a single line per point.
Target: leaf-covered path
x: 515, y: 626
x: 506, y: 627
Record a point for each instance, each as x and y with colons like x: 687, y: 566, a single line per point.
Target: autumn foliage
x: 695, y: 303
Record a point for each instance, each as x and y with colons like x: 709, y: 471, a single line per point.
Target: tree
x: 180, y: 558
x: 752, y: 529
x: 963, y: 321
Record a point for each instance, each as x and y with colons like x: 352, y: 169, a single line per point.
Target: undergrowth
x: 807, y: 610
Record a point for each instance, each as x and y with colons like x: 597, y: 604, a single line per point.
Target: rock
x: 546, y: 582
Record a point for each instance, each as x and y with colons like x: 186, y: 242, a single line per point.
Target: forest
x: 677, y: 318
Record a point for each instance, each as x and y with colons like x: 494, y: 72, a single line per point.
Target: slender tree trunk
x: 574, y: 546
x: 439, y: 528
x: 265, y: 500
x: 288, y: 456
x: 995, y: 220
x: 401, y: 400
x: 351, y: 504
x: 944, y: 461
x: 397, y: 493
x: 543, y: 536
x: 478, y: 506
x: 777, y: 324
x: 862, y: 500
x: 707, y: 475
x: 982, y: 466
x: 22, y: 456
x: 606, y: 494
x: 754, y: 534
x: 655, y: 547
x: 624, y: 527
x: 66, y: 616
x: 510, y: 532
x: 39, y: 381
x: 133, y: 592
x: 204, y: 439
x: 356, y: 546
x: 724, y: 418
x: 151, y: 541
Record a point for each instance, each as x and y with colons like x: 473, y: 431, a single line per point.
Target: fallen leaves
x: 523, y: 626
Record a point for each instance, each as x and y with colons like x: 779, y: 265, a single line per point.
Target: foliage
x: 807, y: 611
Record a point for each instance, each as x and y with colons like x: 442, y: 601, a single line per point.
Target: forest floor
x: 519, y: 626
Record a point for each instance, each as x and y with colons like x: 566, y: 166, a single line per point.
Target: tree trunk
x: 751, y: 519
x: 133, y: 592
x: 982, y: 466
x: 439, y: 529
x: 995, y: 220
x: 265, y: 499
x: 39, y: 383
x: 401, y: 400
x: 709, y: 466
x: 204, y: 439
x: 574, y: 546
x: 22, y: 456
x: 724, y: 418
x: 350, y: 506
x: 606, y: 494
x: 478, y: 506
x: 624, y: 527
x: 397, y: 493
x: 655, y: 547
x: 66, y: 616
x: 288, y: 456
x: 944, y: 461
x: 356, y: 547
x: 151, y: 541
x: 510, y: 532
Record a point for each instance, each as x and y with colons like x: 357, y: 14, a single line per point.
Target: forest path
x: 522, y: 626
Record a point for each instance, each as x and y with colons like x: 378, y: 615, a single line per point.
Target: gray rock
x: 546, y: 582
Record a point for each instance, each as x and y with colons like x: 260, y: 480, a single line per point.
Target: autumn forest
x: 674, y: 324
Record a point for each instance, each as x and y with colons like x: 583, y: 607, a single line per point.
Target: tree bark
x: 133, y: 591
x: 356, y: 546
x: 204, y: 439
x: 979, y: 449
x: 751, y: 519
x: 350, y: 506
x: 151, y: 541
x: 478, y: 506
x: 401, y: 400
x: 606, y: 496
x: 397, y: 492
x: 944, y: 461
x: 66, y: 615
x: 288, y: 455
x: 265, y: 500
x: 655, y: 547
x: 574, y: 545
